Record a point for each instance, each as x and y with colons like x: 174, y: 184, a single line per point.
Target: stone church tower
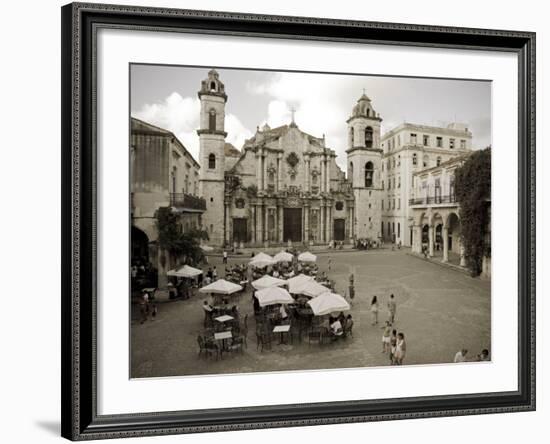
x: 212, y: 155
x: 364, y: 163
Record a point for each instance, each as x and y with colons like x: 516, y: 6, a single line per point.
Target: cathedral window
x: 212, y: 161
x: 439, y: 142
x: 415, y: 160
x: 368, y: 137
x: 350, y: 172
x: 339, y: 206
x: 426, y: 140
x: 212, y: 120
x: 462, y: 144
x: 369, y: 174
x: 413, y: 138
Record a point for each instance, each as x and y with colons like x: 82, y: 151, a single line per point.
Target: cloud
x: 180, y: 115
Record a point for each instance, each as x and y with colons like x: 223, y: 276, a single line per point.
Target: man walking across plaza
x: 225, y: 256
x: 392, y: 309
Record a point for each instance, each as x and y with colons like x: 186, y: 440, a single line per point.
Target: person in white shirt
x: 461, y: 355
x: 336, y: 328
x: 283, y: 312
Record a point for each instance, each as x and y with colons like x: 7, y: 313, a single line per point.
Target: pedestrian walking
x: 224, y: 256
x: 393, y: 346
x: 392, y: 309
x: 461, y: 355
x: 144, y: 307
x: 386, y: 337
x: 374, y: 310
x: 400, y: 349
x: 214, y: 274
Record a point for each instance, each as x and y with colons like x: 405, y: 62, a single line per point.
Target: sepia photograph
x: 294, y: 221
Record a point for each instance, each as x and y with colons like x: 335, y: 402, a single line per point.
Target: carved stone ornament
x: 293, y: 202
x: 292, y: 159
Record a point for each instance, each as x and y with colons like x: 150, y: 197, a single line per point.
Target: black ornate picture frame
x: 80, y: 419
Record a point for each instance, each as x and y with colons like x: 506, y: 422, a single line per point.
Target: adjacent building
x: 163, y: 174
x: 408, y: 149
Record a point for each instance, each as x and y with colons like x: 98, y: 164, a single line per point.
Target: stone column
x: 259, y: 223
x: 279, y: 171
x: 266, y: 224
x: 462, y: 256
x: 259, y: 180
x: 308, y: 172
x: 264, y: 173
x: 431, y: 240
x: 322, y: 214
x: 322, y: 184
x: 327, y: 175
x: 306, y: 224
x: 280, y: 220
x: 254, y: 224
x: 445, y: 234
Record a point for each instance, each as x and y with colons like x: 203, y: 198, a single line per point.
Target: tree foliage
x: 473, y: 193
x: 180, y: 245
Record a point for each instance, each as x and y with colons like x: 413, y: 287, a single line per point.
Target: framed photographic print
x: 278, y: 221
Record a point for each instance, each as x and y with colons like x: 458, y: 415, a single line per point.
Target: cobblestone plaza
x: 440, y: 310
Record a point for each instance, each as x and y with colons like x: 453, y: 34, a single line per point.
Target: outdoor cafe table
x: 222, y: 336
x: 281, y: 329
x: 224, y: 318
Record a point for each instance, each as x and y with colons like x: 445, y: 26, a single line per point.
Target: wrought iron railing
x: 433, y: 200
x: 188, y: 201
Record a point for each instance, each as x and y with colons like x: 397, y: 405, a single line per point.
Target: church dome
x: 363, y: 108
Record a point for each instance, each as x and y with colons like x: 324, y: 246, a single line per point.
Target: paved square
x: 439, y: 309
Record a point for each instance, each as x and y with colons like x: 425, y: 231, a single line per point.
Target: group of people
x: 340, y: 325
x: 375, y: 308
x: 461, y: 356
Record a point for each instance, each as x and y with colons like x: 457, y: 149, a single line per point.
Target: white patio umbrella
x: 313, y: 289
x: 261, y: 260
x: 296, y: 283
x: 273, y: 295
x: 186, y: 271
x: 283, y: 256
x: 267, y: 281
x: 221, y: 286
x: 307, y: 257
x: 327, y: 303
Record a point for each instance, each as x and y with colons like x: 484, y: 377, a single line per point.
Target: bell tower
x: 364, y: 158
x: 212, y: 154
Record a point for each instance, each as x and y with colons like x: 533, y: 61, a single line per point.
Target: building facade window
x: 462, y: 144
x: 212, y: 161
x: 415, y: 159
x: 369, y: 174
x: 368, y: 137
x: 451, y: 143
x: 382, y: 184
x: 426, y: 140
x: 425, y: 161
x: 439, y: 142
x: 212, y: 120
x: 438, y: 161
x: 413, y: 138
x: 351, y: 136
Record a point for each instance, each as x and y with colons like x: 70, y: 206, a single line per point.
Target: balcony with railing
x: 187, y: 202
x: 433, y: 200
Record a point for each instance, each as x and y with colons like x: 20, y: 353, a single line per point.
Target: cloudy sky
x: 166, y: 96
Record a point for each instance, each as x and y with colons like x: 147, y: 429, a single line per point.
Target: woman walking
x: 393, y: 346
x: 374, y: 310
x: 400, y: 349
x: 386, y: 337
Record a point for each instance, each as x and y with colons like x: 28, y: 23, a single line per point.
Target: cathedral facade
x: 284, y: 184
